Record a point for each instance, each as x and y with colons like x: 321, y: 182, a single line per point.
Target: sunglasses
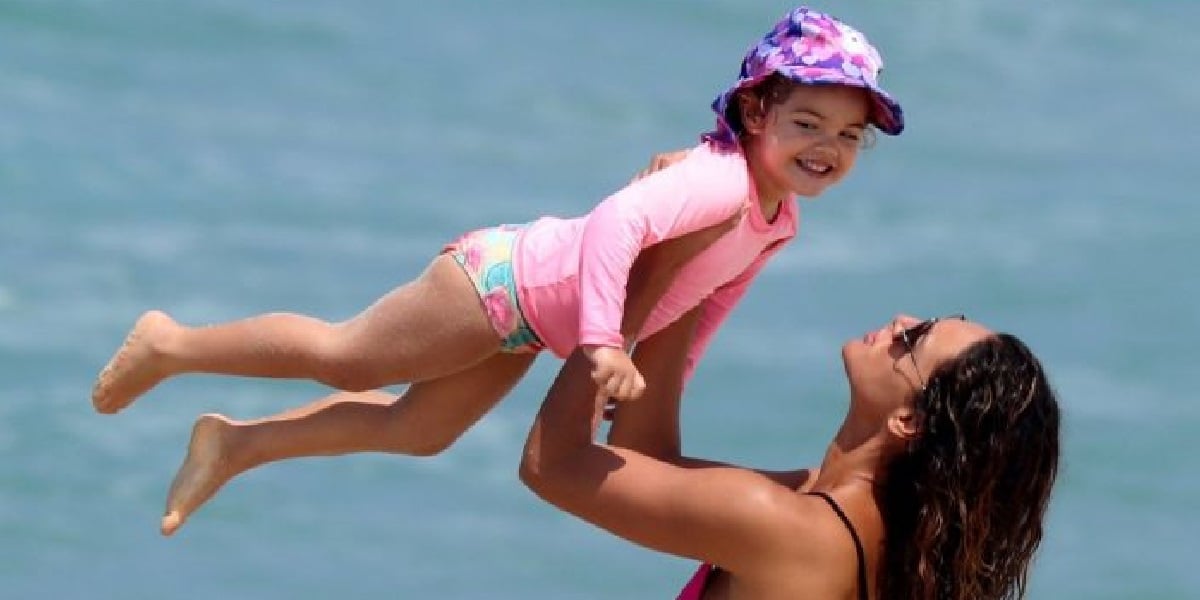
x: 909, y: 338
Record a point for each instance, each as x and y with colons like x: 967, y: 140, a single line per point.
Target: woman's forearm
x: 650, y: 425
x: 564, y: 427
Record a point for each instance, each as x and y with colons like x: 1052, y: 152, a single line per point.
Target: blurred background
x: 219, y: 159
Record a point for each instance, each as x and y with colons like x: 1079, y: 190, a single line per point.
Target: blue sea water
x: 219, y: 159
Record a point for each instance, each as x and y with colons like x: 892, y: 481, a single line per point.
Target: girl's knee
x: 418, y: 429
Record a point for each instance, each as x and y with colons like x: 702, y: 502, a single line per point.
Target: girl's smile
x: 807, y: 142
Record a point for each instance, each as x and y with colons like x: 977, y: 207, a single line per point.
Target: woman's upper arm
x: 722, y: 515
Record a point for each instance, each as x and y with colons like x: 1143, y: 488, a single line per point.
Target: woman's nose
x: 903, y: 321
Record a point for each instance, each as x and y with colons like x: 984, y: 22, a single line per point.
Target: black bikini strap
x: 858, y: 547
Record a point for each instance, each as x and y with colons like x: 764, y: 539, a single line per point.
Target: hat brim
x: 886, y: 114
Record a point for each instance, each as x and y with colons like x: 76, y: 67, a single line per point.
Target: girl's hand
x: 614, y: 373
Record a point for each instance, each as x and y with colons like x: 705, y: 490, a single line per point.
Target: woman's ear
x: 753, y: 111
x: 903, y: 423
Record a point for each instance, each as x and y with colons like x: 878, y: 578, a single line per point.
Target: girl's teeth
x: 812, y: 166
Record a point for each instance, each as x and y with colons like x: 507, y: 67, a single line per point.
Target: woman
x: 934, y: 487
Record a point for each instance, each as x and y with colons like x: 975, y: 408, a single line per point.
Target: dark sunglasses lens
x: 911, y: 335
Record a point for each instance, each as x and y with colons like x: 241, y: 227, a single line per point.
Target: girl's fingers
x: 626, y: 388
x: 638, y: 387
x: 613, y: 386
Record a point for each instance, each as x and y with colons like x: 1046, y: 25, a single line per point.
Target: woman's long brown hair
x: 964, y: 505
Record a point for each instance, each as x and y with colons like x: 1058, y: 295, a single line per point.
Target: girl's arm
x: 700, y: 191
x: 649, y: 277
x: 718, y: 514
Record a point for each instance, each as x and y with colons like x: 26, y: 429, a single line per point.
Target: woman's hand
x: 660, y: 162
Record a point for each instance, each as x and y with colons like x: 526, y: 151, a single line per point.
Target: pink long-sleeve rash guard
x: 571, y: 273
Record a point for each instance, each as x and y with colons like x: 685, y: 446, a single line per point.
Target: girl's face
x: 806, y: 142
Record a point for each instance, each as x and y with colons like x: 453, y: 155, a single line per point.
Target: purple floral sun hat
x: 813, y: 48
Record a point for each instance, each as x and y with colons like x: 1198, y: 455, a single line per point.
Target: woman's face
x: 882, y: 371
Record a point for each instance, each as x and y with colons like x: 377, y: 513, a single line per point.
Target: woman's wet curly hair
x: 964, y: 504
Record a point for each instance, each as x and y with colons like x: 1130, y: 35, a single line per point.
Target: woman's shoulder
x: 811, y: 550
x: 806, y: 548
x: 782, y: 502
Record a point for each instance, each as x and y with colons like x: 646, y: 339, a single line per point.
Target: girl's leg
x: 425, y: 420
x: 425, y: 329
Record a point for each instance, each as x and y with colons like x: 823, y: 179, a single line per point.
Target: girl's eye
x: 806, y: 125
x: 853, y: 136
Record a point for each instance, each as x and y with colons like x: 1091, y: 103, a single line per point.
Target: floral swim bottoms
x: 485, y: 255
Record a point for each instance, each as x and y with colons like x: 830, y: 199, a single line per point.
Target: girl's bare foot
x: 206, y: 468
x: 134, y: 369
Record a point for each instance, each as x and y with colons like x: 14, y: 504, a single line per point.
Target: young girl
x: 468, y: 328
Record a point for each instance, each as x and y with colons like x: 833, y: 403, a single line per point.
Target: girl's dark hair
x: 769, y: 92
x: 964, y: 504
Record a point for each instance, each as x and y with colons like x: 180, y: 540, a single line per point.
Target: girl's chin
x: 809, y: 189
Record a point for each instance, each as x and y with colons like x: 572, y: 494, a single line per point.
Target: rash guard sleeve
x: 701, y: 190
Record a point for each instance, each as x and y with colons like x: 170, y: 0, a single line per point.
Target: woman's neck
x: 854, y: 457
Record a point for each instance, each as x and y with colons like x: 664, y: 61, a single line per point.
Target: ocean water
x: 219, y: 159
